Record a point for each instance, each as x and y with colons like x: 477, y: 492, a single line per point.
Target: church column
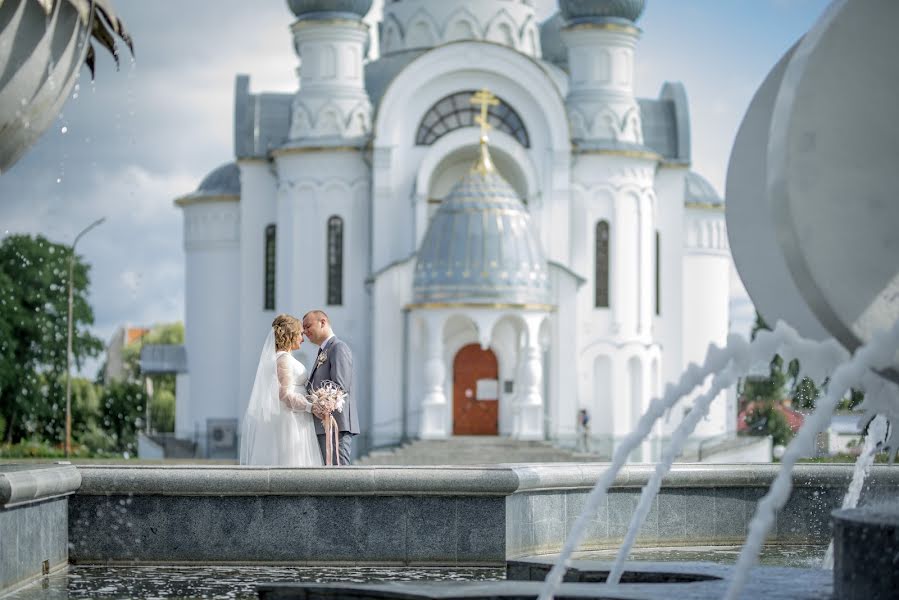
x: 531, y: 424
x: 434, y: 407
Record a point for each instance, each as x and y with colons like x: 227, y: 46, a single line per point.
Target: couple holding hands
x: 298, y: 417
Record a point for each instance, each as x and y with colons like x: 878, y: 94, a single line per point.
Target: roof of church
x: 597, y: 10
x: 480, y: 247
x: 699, y: 192
x: 306, y: 8
x: 551, y: 46
x: 221, y: 181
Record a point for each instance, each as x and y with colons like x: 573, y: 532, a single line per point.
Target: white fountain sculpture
x: 813, y: 224
x: 43, y: 44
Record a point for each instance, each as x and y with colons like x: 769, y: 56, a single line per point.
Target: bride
x: 278, y: 427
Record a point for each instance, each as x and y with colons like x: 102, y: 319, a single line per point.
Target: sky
x: 128, y: 143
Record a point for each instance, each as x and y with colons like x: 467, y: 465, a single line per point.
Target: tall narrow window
x: 269, y: 301
x: 602, y: 265
x: 658, y: 274
x: 335, y: 261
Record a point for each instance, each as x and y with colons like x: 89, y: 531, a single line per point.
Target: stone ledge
x: 484, y: 480
x: 272, y: 481
x: 557, y: 476
x: 25, y: 484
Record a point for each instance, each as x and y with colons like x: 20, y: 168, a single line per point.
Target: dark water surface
x: 224, y: 582
x: 806, y: 556
x: 239, y: 582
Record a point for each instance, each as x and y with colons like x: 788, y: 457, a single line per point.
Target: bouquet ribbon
x: 332, y: 441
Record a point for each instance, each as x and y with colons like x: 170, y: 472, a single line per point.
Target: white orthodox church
x: 578, y: 263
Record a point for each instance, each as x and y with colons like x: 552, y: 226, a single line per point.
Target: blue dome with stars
x: 480, y: 247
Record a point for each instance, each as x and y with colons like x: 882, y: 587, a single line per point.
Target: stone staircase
x: 473, y: 450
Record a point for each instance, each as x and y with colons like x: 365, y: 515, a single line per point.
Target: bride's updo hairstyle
x: 286, y: 330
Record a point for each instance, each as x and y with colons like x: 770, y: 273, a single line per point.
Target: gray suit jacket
x: 336, y: 365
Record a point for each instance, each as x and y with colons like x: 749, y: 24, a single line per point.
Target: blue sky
x: 139, y: 137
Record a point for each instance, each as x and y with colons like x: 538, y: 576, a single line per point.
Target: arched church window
x: 335, y: 261
x: 658, y: 273
x: 269, y: 252
x: 602, y: 265
x: 456, y: 111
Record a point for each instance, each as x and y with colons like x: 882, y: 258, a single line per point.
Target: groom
x: 333, y: 363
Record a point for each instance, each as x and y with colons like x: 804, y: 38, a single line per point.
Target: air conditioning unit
x: 221, y: 435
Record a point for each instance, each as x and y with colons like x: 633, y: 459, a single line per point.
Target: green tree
x: 765, y: 419
x: 33, y: 322
x: 162, y: 403
x: 121, y: 411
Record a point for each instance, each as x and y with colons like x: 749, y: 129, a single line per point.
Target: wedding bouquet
x: 326, y: 399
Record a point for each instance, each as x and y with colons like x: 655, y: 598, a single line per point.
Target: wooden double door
x: 475, y: 405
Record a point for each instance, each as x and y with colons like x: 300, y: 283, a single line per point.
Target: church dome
x: 551, y: 45
x: 699, y: 192
x: 221, y: 181
x: 576, y: 11
x: 308, y: 8
x: 480, y: 247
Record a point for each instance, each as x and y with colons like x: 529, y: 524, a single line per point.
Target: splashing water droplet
x: 64, y: 130
x: 59, y: 180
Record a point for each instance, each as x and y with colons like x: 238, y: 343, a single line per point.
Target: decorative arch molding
x: 522, y: 32
x: 530, y: 36
x: 706, y: 234
x: 392, y: 38
x: 316, y: 185
x: 494, y: 30
x: 334, y: 118
x: 506, y: 72
x: 462, y: 16
x: 421, y: 31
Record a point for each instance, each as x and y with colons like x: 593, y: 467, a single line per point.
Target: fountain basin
x: 474, y: 516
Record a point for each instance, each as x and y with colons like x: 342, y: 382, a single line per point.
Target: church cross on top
x: 485, y: 99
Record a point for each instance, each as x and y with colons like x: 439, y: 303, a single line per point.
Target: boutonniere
x: 321, y: 359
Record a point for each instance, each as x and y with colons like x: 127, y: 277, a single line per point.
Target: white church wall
x: 706, y: 297
x: 610, y: 188
x: 434, y: 75
x: 668, y: 330
x: 616, y: 345
x: 390, y: 292
x: 211, y: 239
x: 564, y: 395
x: 257, y: 211
x: 505, y: 342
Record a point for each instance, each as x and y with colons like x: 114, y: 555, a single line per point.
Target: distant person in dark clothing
x: 583, y: 430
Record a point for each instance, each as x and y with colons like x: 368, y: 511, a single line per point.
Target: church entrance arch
x: 475, y: 392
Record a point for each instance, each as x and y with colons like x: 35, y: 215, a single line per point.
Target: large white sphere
x: 833, y: 180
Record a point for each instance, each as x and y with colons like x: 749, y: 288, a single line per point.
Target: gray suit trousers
x: 346, y: 445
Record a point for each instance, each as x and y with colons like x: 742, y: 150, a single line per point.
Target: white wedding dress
x: 278, y: 429
x: 298, y: 444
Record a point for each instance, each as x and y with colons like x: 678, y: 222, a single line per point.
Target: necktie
x: 315, y: 366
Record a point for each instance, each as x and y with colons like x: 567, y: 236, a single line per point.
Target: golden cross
x: 485, y: 99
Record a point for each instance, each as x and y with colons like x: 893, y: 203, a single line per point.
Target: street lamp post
x: 69, y: 337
